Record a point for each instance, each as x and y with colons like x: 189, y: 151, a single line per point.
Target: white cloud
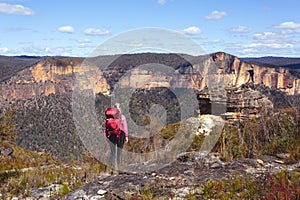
x: 85, y: 43
x: 85, y: 40
x: 269, y: 37
x: 216, y: 15
x: 94, y: 31
x: 50, y: 51
x: 288, y: 27
x: 161, y: 2
x: 294, y: 41
x: 15, y: 9
x: 263, y: 36
x: 217, y: 41
x: 264, y: 43
x: 192, y: 30
x: 4, y: 49
x: 240, y: 29
x: 273, y: 45
x: 262, y: 49
x: 66, y: 29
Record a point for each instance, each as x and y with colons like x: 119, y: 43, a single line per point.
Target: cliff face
x: 236, y: 73
x: 215, y: 68
x: 51, y: 76
x: 237, y: 76
x: 57, y: 75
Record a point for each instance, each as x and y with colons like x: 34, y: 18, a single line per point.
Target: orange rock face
x: 61, y: 75
x: 241, y: 72
x: 47, y: 77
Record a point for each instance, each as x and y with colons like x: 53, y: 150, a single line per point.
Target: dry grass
x: 24, y: 170
x: 19, y: 181
x: 266, y: 135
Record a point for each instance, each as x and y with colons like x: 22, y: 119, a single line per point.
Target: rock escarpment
x: 57, y: 75
x: 51, y: 76
x: 237, y: 73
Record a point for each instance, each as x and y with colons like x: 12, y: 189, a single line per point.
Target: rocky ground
x: 179, y: 179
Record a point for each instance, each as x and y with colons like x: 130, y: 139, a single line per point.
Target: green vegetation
x: 197, y: 143
x: 7, y: 127
x: 284, y: 185
x: 71, y: 177
x: 24, y: 170
x: 269, y: 134
x: 64, y: 190
x: 169, y: 131
x: 281, y: 185
x: 147, y: 193
x: 238, y: 188
x: 266, y: 135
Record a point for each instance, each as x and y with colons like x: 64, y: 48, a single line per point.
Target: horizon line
x: 137, y: 53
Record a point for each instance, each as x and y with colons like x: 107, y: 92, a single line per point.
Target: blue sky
x: 75, y: 28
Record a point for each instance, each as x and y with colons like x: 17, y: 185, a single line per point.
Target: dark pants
x: 116, y: 147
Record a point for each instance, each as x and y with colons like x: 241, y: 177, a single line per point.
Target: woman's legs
x: 113, y: 146
x: 120, y: 147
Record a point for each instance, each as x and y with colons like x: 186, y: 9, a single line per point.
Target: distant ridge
x: 28, y: 57
x: 10, y: 65
x: 277, y: 61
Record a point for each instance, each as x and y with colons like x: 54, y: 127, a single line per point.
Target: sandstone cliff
x: 51, y: 76
x: 236, y: 72
x: 197, y: 71
x: 57, y: 75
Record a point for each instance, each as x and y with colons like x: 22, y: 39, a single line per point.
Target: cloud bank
x: 15, y: 9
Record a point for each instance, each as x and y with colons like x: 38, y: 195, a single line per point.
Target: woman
x: 116, y: 143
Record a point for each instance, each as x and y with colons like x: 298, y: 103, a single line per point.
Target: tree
x: 7, y: 127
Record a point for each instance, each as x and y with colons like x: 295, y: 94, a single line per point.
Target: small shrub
x: 237, y: 188
x: 283, y: 185
x: 190, y: 196
x: 197, y: 143
x: 146, y: 193
x: 64, y: 190
x: 169, y: 131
